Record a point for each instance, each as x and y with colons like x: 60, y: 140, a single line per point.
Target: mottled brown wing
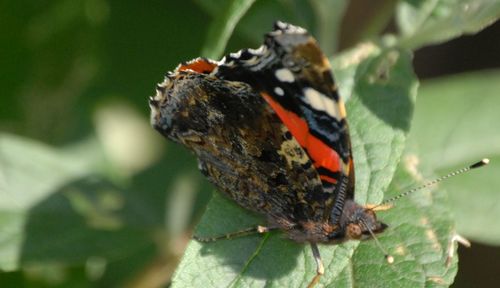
x: 241, y: 144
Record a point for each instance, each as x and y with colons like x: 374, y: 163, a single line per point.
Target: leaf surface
x: 425, y: 22
x: 379, y: 112
x: 455, y: 125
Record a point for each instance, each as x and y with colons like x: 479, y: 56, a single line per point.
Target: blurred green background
x: 90, y: 195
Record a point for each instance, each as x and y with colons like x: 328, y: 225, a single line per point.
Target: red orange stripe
x: 321, y: 154
x: 198, y: 65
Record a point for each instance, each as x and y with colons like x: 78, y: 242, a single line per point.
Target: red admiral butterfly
x: 269, y: 130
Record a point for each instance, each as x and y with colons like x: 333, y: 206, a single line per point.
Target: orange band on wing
x: 321, y: 154
x: 198, y: 65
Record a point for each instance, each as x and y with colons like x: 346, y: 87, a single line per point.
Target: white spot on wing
x: 321, y: 102
x: 222, y: 61
x: 279, y: 91
x: 236, y: 55
x: 284, y: 75
x: 281, y: 24
x: 257, y: 51
x: 289, y: 28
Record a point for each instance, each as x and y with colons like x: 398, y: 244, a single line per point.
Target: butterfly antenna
x: 387, y: 256
x: 478, y: 164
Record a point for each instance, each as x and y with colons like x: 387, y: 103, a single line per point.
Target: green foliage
x: 31, y: 173
x: 222, y: 27
x: 378, y: 130
x: 464, y: 135
x: 424, y: 22
x: 108, y: 204
x: 59, y: 208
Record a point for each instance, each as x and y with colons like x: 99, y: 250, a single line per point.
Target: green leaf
x: 476, y: 203
x: 379, y: 113
x: 380, y: 110
x: 463, y: 111
x: 222, y: 27
x: 45, y: 193
x: 425, y: 22
x: 420, y: 228
x: 28, y: 173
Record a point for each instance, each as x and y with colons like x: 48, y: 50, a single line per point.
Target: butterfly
x: 269, y: 130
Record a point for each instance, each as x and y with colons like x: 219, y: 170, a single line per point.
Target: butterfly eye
x: 353, y: 231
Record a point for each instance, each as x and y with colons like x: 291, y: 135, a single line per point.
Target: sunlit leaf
x: 380, y: 111
x: 454, y: 126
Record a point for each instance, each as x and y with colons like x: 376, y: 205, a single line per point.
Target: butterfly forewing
x: 294, y: 77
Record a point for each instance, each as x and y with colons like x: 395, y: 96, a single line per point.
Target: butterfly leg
x: 320, y: 269
x: 249, y: 231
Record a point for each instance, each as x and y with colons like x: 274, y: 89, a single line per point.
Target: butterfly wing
x: 241, y: 144
x: 293, y: 75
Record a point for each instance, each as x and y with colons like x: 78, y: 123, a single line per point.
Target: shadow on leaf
x: 79, y: 220
x: 383, y: 84
x: 259, y: 256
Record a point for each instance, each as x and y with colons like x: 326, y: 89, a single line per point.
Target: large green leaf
x: 456, y: 124
x: 425, y: 22
x: 29, y: 172
x: 58, y: 207
x: 380, y: 110
x: 45, y: 193
x: 420, y: 228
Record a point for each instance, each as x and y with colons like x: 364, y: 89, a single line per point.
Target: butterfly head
x: 360, y: 222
